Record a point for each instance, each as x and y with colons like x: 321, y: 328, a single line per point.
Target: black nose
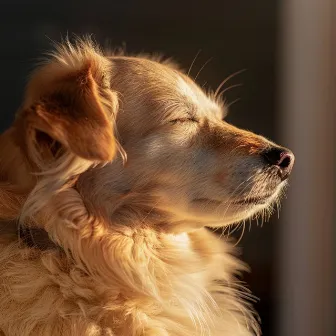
x: 282, y: 158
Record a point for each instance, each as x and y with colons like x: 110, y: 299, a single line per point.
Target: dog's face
x: 197, y: 168
x: 185, y: 165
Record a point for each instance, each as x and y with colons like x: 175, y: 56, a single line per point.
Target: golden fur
x: 131, y: 255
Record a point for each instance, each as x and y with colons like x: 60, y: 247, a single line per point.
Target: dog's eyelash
x: 183, y: 120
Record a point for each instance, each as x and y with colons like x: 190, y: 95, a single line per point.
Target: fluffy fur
x: 131, y: 254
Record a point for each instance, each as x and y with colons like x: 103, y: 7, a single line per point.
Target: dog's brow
x: 180, y: 107
x: 186, y: 90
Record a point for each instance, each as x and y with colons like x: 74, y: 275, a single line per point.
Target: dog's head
x: 186, y: 166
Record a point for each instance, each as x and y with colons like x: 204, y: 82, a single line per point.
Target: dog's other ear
x: 69, y: 99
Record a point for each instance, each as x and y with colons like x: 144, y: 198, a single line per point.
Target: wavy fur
x: 128, y: 262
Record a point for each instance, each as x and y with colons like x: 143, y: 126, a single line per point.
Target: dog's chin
x: 221, y: 213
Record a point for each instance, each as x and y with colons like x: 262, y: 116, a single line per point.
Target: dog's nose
x: 282, y: 158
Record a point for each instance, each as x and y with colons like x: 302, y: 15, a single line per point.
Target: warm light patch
x: 186, y: 90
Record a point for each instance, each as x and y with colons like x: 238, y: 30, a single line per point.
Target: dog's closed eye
x: 184, y: 120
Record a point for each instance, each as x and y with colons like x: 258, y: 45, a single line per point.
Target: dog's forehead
x: 189, y: 91
x: 164, y: 84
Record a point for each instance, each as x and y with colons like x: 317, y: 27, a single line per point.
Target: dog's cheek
x: 220, y: 177
x: 206, y: 163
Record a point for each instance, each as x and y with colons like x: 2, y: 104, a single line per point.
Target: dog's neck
x: 161, y: 273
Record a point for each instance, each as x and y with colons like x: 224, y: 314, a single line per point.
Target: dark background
x: 228, y: 35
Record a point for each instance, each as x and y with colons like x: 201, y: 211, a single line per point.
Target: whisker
x: 194, y: 60
x: 235, y: 101
x: 210, y: 59
x: 227, y: 89
x: 237, y: 227
x: 242, y: 234
x: 226, y: 80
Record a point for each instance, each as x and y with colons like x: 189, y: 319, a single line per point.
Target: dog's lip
x: 247, y: 200
x: 254, y: 200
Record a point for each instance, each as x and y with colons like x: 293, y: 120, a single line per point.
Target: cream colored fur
x: 133, y: 256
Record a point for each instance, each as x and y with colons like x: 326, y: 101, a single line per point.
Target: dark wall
x: 232, y: 35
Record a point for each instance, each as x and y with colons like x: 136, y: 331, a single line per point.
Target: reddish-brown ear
x: 70, y: 100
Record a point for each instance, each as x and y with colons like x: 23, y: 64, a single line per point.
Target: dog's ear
x: 69, y: 101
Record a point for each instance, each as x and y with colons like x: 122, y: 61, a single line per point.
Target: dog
x: 109, y: 177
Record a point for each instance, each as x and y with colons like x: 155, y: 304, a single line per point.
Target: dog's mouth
x: 260, y: 200
x: 243, y: 201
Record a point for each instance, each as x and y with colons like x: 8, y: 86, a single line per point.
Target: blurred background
x: 287, y: 93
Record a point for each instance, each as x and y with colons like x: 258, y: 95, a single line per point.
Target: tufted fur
x: 131, y: 255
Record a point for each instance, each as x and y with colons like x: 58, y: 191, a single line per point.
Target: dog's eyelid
x: 184, y: 119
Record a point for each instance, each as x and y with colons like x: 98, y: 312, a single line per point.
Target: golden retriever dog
x: 109, y: 176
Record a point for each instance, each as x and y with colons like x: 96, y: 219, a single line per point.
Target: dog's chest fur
x: 146, y: 284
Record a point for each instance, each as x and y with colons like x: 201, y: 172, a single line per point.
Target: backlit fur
x: 133, y: 257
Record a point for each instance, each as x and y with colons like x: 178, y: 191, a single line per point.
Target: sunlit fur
x: 133, y: 257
